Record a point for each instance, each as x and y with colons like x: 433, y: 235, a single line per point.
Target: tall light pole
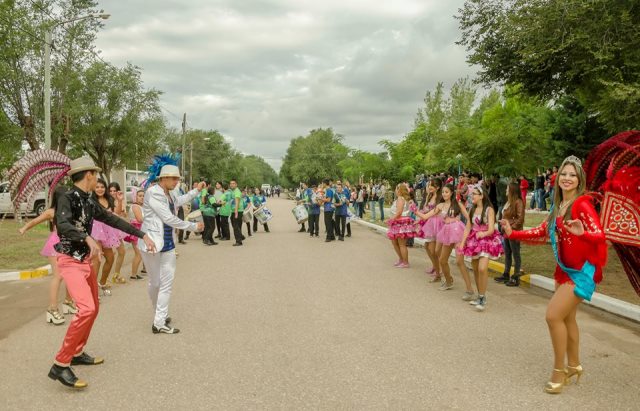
x: 47, y: 71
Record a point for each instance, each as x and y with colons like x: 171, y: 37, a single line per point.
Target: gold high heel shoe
x: 556, y: 387
x: 577, y: 371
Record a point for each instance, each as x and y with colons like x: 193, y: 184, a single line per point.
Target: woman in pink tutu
x: 401, y: 225
x: 53, y: 315
x: 481, y: 242
x: 107, y: 237
x: 429, y: 226
x: 448, y: 236
x: 120, y: 211
x: 135, y: 218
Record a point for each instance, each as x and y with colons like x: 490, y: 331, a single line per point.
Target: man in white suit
x: 159, y: 209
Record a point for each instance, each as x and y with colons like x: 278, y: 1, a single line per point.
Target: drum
x: 195, y: 217
x: 300, y: 213
x: 247, y: 215
x: 350, y: 215
x: 263, y: 215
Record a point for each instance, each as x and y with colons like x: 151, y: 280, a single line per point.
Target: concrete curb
x: 26, y: 275
x: 601, y: 301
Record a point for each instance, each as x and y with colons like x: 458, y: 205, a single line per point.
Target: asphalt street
x: 291, y: 322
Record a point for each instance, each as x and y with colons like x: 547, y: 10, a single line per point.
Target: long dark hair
x: 107, y: 196
x: 486, y: 204
x: 514, y: 193
x: 454, y: 209
x: 437, y: 183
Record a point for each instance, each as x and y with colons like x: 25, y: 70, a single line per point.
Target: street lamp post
x: 47, y: 72
x: 459, y: 157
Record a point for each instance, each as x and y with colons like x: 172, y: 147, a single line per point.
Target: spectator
x: 524, y: 187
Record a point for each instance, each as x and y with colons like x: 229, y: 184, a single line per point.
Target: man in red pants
x: 74, y: 217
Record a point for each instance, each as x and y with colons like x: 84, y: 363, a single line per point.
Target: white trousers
x: 161, y: 269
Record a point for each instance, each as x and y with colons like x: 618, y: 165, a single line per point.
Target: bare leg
x: 483, y: 275
x: 120, y: 258
x: 433, y: 255
x: 474, y: 265
x: 404, y: 252
x: 573, y: 338
x: 54, y: 286
x: 396, y: 247
x: 137, y: 258
x: 444, y: 263
x: 108, y: 263
x: 463, y: 270
x: 561, y: 306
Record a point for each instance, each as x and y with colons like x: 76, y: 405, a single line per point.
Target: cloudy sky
x: 264, y: 71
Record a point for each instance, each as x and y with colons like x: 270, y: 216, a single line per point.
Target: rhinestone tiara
x: 573, y: 159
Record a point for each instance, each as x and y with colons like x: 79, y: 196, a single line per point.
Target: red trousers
x: 82, y: 283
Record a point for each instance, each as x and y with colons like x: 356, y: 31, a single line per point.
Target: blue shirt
x: 342, y: 209
x: 168, y: 234
x: 329, y: 193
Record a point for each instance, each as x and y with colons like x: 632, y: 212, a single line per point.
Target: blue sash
x: 583, y: 278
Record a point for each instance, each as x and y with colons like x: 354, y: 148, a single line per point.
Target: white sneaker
x: 445, y: 286
x: 482, y: 303
x: 468, y: 296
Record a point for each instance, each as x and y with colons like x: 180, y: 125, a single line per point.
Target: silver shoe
x: 54, y: 317
x: 68, y: 307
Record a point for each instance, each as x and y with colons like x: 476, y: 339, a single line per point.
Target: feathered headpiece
x: 158, y: 162
x: 33, y: 172
x: 613, y: 170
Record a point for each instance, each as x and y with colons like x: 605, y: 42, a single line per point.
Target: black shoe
x: 66, y: 376
x: 214, y: 243
x: 349, y: 235
x: 186, y: 238
x: 207, y: 243
x: 218, y: 236
x: 502, y: 279
x: 224, y: 239
x: 182, y: 242
x: 86, y: 359
x: 328, y: 240
x: 164, y: 330
x: 340, y: 238
x: 237, y: 244
x: 244, y: 238
x: 302, y: 230
x: 513, y: 282
x: 266, y: 230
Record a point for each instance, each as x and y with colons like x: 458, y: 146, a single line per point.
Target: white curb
x: 601, y: 301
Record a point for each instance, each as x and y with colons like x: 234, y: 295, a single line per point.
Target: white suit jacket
x: 157, y: 212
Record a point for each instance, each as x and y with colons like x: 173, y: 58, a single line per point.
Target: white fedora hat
x: 169, y: 171
x: 82, y: 164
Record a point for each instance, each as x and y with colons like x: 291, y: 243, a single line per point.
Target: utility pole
x: 184, y: 133
x: 191, y: 165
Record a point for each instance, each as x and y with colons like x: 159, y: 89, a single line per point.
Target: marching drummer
x: 300, y: 200
x: 258, y: 200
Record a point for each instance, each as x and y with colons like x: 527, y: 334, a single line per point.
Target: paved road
x: 290, y: 322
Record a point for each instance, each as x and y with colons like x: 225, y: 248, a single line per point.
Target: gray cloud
x: 263, y: 72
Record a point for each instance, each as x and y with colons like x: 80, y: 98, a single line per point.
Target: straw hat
x: 82, y: 164
x: 169, y: 171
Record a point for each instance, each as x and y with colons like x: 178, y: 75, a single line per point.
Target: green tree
x: 586, y: 49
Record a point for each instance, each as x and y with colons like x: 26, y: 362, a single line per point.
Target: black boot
x: 66, y: 376
x: 502, y: 279
x: 514, y: 281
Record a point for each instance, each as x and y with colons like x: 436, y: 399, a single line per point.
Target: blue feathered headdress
x: 158, y: 162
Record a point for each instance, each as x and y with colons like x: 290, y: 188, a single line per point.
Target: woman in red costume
x: 576, y: 225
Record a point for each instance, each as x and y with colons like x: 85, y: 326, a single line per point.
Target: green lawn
x: 19, y: 252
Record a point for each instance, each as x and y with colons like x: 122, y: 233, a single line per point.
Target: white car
x: 265, y: 187
x: 35, y: 207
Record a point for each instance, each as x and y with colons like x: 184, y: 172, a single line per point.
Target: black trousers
x: 511, y: 251
x: 328, y: 225
x: 314, y: 224
x: 341, y: 222
x: 181, y: 232
x: 224, y: 226
x: 255, y: 225
x: 336, y: 224
x: 209, y: 228
x: 249, y: 228
x: 349, y: 229
x: 218, y: 224
x: 236, y: 223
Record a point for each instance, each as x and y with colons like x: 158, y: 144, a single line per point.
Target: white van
x: 36, y: 207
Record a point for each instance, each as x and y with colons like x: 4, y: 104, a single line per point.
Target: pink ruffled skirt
x: 429, y: 229
x: 48, y: 250
x: 108, y: 236
x: 403, y: 227
x: 451, y: 233
x: 490, y: 247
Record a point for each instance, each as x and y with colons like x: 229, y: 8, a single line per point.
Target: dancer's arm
x: 160, y: 206
x: 536, y: 235
x: 585, y: 222
x: 186, y: 198
x: 426, y: 216
x: 46, y: 216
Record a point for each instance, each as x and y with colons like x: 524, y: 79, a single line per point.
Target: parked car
x: 35, y: 207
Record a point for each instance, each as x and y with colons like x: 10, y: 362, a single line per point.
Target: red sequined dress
x: 573, y: 250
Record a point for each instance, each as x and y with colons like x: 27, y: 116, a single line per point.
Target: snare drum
x: 300, y: 213
x: 247, y: 215
x: 195, y: 217
x: 263, y: 215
